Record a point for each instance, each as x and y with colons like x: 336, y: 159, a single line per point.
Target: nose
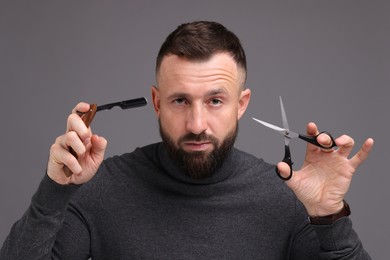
x: 197, y: 119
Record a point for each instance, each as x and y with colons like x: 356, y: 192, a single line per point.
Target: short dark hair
x: 199, y: 41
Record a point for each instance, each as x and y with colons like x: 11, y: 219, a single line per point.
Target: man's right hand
x: 63, y: 167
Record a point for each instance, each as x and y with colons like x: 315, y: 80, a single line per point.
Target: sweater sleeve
x: 336, y: 241
x: 339, y: 239
x: 33, y: 236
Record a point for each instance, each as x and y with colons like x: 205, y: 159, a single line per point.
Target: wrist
x: 330, y: 219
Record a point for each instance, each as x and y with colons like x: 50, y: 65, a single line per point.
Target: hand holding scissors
x: 288, y: 135
x: 326, y: 174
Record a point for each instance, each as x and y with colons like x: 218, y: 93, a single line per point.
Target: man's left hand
x: 326, y: 174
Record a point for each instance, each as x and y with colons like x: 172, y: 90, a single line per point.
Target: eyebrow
x: 178, y: 95
x: 212, y: 92
x: 217, y: 91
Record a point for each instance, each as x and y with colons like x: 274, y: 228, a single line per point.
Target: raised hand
x: 65, y: 168
x: 326, y: 174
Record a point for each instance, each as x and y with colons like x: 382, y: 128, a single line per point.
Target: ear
x: 156, y: 99
x: 243, y: 103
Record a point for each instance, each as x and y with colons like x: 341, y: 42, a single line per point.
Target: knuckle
x: 73, y: 140
x: 54, y: 148
x: 71, y: 117
x: 71, y: 137
x: 75, y: 124
x: 70, y: 122
x: 349, y: 139
x: 69, y: 160
x: 58, y: 140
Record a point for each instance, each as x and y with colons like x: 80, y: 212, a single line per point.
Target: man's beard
x: 199, y: 164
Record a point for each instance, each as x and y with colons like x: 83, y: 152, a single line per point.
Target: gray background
x: 329, y: 60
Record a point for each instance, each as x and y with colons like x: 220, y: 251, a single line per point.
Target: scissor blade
x: 273, y: 127
x: 284, y: 117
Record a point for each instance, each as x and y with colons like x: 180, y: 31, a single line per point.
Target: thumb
x: 99, y: 145
x: 284, y: 170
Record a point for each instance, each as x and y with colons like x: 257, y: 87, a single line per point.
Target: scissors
x: 288, y: 135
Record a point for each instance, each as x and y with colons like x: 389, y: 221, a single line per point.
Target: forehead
x: 219, y: 69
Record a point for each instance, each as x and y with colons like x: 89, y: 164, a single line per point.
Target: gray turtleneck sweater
x: 141, y: 206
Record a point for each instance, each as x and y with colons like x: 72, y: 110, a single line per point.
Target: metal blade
x: 126, y: 104
x: 273, y: 127
x: 284, y: 117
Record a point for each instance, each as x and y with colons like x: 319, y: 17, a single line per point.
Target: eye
x: 215, y: 102
x: 179, y: 101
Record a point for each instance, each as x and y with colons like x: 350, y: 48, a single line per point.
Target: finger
x: 311, y: 130
x: 99, y: 145
x: 60, y: 157
x: 363, y: 153
x: 326, y: 141
x: 76, y: 124
x: 284, y: 169
x: 81, y: 107
x: 72, y: 141
x: 345, y: 144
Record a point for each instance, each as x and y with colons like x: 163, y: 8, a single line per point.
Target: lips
x: 197, y: 146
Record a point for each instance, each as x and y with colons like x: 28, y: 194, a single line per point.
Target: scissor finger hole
x: 281, y: 176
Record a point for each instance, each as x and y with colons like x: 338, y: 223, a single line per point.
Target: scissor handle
x: 286, y: 159
x: 313, y: 140
x: 309, y: 139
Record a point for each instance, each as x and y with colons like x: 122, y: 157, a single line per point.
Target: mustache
x: 197, y: 138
